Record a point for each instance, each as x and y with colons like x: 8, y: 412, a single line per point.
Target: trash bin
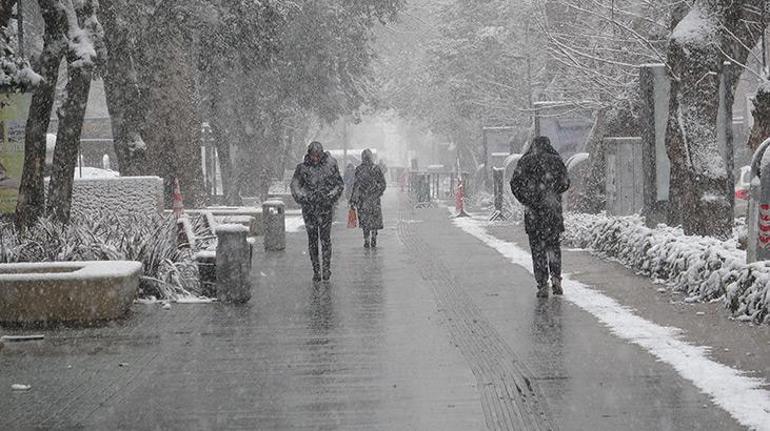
x: 207, y: 271
x: 274, y: 219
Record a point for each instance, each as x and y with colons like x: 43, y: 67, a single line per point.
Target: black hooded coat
x: 317, y: 187
x: 368, y: 188
x: 538, y: 182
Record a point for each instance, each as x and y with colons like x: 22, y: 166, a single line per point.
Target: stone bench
x: 228, y: 215
x: 67, y: 291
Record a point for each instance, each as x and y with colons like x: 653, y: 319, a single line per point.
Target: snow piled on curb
x: 704, y: 268
x: 743, y: 397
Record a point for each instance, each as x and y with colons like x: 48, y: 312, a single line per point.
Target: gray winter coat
x: 368, y: 188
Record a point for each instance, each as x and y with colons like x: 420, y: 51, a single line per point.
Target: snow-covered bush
x: 704, y: 268
x: 16, y: 75
x: 169, y: 271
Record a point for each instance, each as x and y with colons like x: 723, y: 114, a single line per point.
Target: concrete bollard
x: 759, y: 206
x: 274, y: 219
x: 233, y: 263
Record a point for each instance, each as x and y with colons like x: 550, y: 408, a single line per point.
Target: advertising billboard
x: 14, y: 108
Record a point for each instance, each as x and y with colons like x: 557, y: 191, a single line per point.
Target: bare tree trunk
x: 760, y: 131
x: 65, y: 156
x: 124, y: 98
x: 173, y: 128
x: 81, y: 22
x: 227, y: 129
x: 595, y: 193
x: 696, y: 56
x: 692, y: 138
x: 31, y: 200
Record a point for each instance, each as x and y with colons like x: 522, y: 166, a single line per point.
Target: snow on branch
x: 84, y: 32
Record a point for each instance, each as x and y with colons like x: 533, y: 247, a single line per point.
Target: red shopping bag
x: 352, y: 219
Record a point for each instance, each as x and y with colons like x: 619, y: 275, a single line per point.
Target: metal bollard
x: 233, y: 263
x: 274, y: 219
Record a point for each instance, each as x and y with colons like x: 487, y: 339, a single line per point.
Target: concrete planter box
x: 67, y: 291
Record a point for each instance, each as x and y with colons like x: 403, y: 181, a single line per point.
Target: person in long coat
x: 317, y: 186
x: 368, y: 188
x: 538, y: 182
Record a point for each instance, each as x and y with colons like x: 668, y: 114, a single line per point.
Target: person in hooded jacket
x: 317, y: 186
x: 538, y: 182
x: 368, y: 188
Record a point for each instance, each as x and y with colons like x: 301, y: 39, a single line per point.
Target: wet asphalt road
x: 432, y: 331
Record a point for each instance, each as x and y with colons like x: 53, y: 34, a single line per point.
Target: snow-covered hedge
x: 704, y: 268
x: 169, y: 272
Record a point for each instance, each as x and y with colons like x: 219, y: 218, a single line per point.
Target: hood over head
x: 542, y: 145
x: 315, y: 153
x: 367, y: 158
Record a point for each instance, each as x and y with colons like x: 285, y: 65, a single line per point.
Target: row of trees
x: 261, y: 73
x: 483, y: 63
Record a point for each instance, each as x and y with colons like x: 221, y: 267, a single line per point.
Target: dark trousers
x: 546, y: 256
x: 319, y: 227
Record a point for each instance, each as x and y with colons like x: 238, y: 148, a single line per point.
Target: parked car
x: 742, y: 185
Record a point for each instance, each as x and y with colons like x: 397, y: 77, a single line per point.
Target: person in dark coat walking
x: 317, y: 186
x: 368, y: 188
x: 538, y: 182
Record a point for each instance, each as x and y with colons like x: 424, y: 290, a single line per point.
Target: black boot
x: 556, y: 286
x: 316, y: 269
x: 374, y: 239
x: 327, y: 275
x: 316, y: 265
x: 367, y: 244
x: 327, y: 265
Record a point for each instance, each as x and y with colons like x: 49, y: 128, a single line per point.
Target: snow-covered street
x: 438, y: 328
x: 385, y: 215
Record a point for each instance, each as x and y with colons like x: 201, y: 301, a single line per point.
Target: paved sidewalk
x: 741, y: 345
x: 432, y: 331
x: 366, y: 352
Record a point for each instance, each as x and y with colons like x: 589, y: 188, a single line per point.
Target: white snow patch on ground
x: 743, y: 397
x: 194, y: 300
x: 294, y: 224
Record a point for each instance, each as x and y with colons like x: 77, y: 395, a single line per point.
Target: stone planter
x: 67, y: 291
